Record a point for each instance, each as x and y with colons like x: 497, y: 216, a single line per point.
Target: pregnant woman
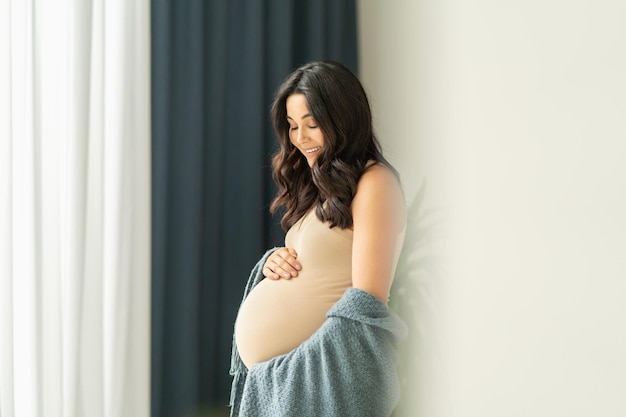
x: 314, y: 335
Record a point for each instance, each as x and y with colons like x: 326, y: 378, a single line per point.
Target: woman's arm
x: 379, y: 216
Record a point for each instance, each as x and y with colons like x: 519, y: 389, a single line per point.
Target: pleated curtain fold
x: 74, y: 208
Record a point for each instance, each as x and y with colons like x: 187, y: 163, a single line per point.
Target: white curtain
x: 74, y: 208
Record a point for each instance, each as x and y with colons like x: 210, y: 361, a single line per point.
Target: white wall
x: 516, y: 112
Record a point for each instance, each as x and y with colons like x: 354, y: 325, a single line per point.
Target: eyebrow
x: 302, y: 118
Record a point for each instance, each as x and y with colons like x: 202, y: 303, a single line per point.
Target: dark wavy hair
x: 339, y: 105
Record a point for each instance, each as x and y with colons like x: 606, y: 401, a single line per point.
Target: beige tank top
x: 278, y: 315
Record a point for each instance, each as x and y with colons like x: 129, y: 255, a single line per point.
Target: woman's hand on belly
x: 282, y: 264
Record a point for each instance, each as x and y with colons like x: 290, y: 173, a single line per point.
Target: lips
x: 317, y: 148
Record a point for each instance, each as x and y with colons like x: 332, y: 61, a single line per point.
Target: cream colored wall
x: 391, y: 48
x: 515, y: 111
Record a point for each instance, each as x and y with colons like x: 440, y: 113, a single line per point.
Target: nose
x: 301, y: 136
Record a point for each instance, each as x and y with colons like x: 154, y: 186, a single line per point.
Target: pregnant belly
x: 278, y: 315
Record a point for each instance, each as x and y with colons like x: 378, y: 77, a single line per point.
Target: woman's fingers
x: 287, y: 262
x: 282, y: 264
x: 269, y: 274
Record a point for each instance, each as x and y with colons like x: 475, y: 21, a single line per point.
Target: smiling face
x: 304, y: 133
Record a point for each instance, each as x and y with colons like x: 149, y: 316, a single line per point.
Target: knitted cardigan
x: 346, y: 368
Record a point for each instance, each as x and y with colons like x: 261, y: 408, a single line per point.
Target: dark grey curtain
x: 215, y: 66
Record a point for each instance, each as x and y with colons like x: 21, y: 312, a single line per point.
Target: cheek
x: 320, y: 137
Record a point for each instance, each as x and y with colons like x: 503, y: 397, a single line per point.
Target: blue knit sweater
x: 346, y: 368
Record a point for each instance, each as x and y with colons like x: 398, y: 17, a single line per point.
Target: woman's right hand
x: 282, y: 264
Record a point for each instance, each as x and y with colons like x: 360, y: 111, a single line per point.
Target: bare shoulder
x: 379, y: 181
x: 379, y: 194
